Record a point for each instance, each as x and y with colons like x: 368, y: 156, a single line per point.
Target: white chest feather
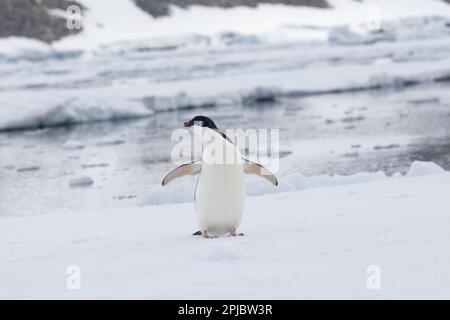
x: 220, y: 193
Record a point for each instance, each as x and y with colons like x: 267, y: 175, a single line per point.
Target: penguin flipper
x: 255, y: 168
x: 191, y: 168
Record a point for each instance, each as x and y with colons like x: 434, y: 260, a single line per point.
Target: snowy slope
x: 296, y: 246
x: 121, y: 21
x: 275, y: 22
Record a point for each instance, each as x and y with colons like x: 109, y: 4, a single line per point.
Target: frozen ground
x: 296, y: 245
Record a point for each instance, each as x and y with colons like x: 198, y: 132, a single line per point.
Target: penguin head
x: 201, y: 121
x: 205, y: 122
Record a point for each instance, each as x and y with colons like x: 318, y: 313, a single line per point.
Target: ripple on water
x: 95, y: 165
x: 28, y: 169
x: 81, y: 182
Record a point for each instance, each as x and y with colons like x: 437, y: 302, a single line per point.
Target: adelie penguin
x: 220, y: 191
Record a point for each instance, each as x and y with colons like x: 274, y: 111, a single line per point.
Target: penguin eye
x: 201, y: 123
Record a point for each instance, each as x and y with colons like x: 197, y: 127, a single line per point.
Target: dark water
x: 329, y: 134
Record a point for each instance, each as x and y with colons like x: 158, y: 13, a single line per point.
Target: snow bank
x: 345, y: 22
x: 13, y: 45
x: 24, y: 112
x: 14, y: 49
x: 311, y: 244
x: 267, y: 21
x: 19, y: 48
x: 183, y: 190
x: 422, y: 168
x: 396, y: 30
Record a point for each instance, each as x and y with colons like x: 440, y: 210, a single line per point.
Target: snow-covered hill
x: 296, y: 245
x: 272, y: 21
x: 109, y: 22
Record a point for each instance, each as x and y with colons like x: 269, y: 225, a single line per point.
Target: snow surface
x: 296, y: 245
x: 183, y: 190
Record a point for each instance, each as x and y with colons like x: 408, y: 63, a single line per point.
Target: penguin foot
x: 207, y: 236
x: 236, y: 234
x: 233, y: 232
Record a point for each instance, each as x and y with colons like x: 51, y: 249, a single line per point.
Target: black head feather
x: 205, y: 122
x: 201, y: 121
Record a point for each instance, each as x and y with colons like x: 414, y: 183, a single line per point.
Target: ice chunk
x: 61, y: 110
x: 393, y: 30
x: 422, y: 168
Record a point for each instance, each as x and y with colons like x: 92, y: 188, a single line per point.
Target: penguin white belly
x: 220, y: 196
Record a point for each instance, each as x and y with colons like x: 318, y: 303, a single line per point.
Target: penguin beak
x: 188, y: 123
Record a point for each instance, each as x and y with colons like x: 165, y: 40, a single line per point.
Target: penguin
x: 220, y: 192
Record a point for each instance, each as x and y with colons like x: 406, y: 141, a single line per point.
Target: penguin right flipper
x: 191, y: 168
x: 255, y: 168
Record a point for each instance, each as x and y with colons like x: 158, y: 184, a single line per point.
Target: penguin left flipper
x: 191, y: 168
x: 255, y: 168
